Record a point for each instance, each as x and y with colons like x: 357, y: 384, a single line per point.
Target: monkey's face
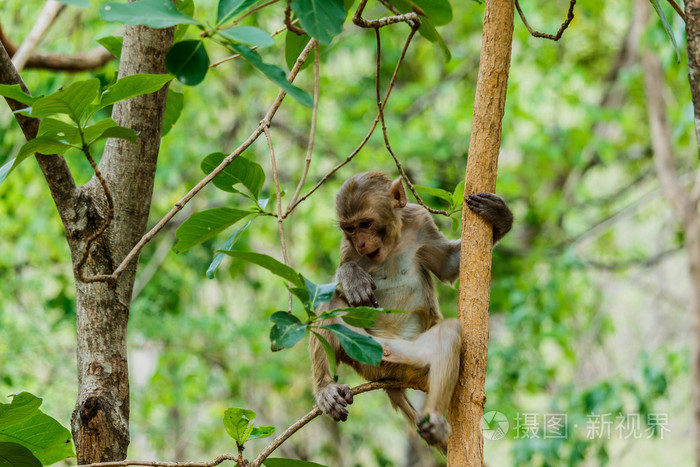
x: 368, y: 236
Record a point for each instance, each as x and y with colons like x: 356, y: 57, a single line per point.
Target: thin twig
x: 411, y: 18
x: 380, y: 106
x: 51, y: 10
x: 288, y: 20
x: 564, y: 25
x: 108, y: 220
x: 312, y: 132
x: 367, y: 136
x: 206, y: 180
x: 125, y: 463
x: 255, y: 47
x: 278, y: 192
x: 678, y: 9
x: 315, y: 412
x: 258, y: 8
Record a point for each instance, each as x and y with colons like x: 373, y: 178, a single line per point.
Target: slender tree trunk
x: 684, y: 203
x: 466, y: 444
x: 100, y: 421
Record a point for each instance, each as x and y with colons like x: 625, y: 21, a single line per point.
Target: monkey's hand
x: 333, y: 399
x: 494, y: 209
x: 434, y: 429
x: 356, y: 285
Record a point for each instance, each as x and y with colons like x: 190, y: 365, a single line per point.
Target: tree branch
x: 564, y: 25
x: 51, y: 10
x: 54, y: 168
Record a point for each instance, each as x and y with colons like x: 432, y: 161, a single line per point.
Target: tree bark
x: 684, y: 204
x: 100, y: 421
x: 466, y: 444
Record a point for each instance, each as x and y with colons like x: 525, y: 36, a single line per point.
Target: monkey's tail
x: 399, y: 400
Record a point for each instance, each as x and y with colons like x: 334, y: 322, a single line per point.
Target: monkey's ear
x: 398, y: 193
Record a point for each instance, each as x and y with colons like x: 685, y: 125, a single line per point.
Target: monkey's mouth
x: 374, y: 254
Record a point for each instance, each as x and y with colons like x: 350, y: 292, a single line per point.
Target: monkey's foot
x: 434, y: 429
x: 333, y: 399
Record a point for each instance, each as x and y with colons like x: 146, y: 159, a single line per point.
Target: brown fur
x: 420, y: 348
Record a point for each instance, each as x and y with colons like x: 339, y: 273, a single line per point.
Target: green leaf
x: 132, y: 86
x: 59, y: 130
x: 261, y: 432
x: 22, y: 422
x: 113, y: 44
x: 173, y: 110
x: 293, y: 46
x: 118, y: 132
x: 16, y: 455
x: 79, y: 3
x: 330, y: 354
x: 14, y: 91
x: 667, y: 27
x: 42, y: 145
x: 248, y: 35
x: 359, y: 347
x: 93, y: 131
x: 269, y: 263
x: 274, y: 73
x: 236, y: 421
x: 229, y: 8
x: 458, y: 196
x: 228, y: 244
x: 319, y: 293
x: 204, y: 225
x: 437, y: 192
x: 282, y: 462
x: 286, y: 332
x: 361, y: 318
x: 187, y: 7
x: 71, y: 101
x: 439, y: 11
x: 153, y: 13
x: 248, y: 173
x: 188, y: 61
x: 8, y: 167
x: 322, y: 19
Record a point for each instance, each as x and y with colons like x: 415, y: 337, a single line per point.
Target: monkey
x: 389, y: 252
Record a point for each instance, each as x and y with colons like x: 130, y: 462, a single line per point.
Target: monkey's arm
x: 355, y: 285
x: 494, y: 209
x: 436, y: 253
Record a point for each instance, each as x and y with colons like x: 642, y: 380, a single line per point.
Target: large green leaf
x: 14, y: 91
x: 113, y: 44
x: 319, y: 293
x: 359, y: 347
x: 286, y: 331
x: 323, y: 19
x: 173, y: 110
x: 72, y: 101
x: 237, y: 421
x: 188, y: 61
x: 240, y: 171
x: 274, y: 73
x: 132, y: 86
x: 42, y: 145
x: 118, y: 132
x: 229, y: 8
x: 153, y: 13
x: 439, y: 11
x: 330, y: 354
x: 59, y: 130
x: 248, y: 35
x: 269, y: 263
x: 228, y: 244
x: 16, y: 455
x: 204, y: 225
x: 22, y: 422
x: 281, y: 462
x: 437, y: 192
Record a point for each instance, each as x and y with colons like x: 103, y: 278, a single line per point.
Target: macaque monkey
x: 389, y: 251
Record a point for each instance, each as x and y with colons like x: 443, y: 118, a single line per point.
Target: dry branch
x: 564, y: 25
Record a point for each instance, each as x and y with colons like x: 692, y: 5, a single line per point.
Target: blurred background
x: 590, y: 329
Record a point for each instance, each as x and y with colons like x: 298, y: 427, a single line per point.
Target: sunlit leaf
x: 153, y: 13
x: 261, y: 432
x: 228, y: 9
x: 72, y: 101
x: 173, y: 110
x: 59, y: 130
x: 236, y: 421
x: 204, y: 225
x: 248, y: 35
x: 132, y: 86
x: 14, y: 91
x: 113, y: 44
x: 241, y: 171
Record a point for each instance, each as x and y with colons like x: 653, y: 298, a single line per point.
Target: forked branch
x: 564, y: 25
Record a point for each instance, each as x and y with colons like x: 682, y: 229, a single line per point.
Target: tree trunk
x: 100, y: 421
x: 466, y: 444
x: 692, y: 31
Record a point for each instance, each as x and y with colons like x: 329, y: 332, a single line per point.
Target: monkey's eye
x: 349, y: 229
x: 365, y: 224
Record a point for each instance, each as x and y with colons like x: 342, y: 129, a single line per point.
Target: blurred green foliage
x: 561, y: 342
